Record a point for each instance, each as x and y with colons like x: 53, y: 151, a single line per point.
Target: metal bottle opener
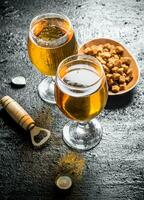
x: 25, y: 121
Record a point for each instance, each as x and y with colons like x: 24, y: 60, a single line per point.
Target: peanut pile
x: 116, y: 66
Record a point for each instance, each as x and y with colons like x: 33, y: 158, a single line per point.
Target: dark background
x: 115, y: 168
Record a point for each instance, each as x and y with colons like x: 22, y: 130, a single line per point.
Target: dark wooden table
x: 115, y: 168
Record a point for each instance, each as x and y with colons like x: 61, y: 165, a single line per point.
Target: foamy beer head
x: 51, y: 39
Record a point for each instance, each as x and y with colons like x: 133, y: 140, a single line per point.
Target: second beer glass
x: 51, y: 39
x: 81, y: 94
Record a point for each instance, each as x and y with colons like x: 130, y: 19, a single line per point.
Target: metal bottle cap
x: 64, y: 182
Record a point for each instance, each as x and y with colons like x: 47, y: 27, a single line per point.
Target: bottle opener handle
x: 17, y: 113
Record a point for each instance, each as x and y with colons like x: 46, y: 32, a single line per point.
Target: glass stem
x: 81, y: 127
x: 53, y: 78
x: 52, y: 83
x: 82, y: 124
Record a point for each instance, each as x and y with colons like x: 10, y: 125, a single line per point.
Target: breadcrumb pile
x: 71, y: 164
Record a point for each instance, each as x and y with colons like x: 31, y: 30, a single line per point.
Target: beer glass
x: 51, y: 39
x: 81, y: 94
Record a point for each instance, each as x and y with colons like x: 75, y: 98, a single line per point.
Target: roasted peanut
x: 122, y: 79
x: 110, y: 65
x: 119, y: 49
x: 108, y: 76
x: 111, y: 60
x: 125, y: 67
x: 124, y: 74
x: 107, y: 45
x: 105, y: 55
x: 126, y: 60
x: 116, y: 56
x: 86, y: 50
x: 128, y: 79
x: 110, y: 82
x: 94, y: 49
x: 115, y: 88
x: 114, y: 69
x: 129, y: 71
x: 117, y: 63
x: 122, y: 86
x: 116, y: 76
x: 113, y: 51
x: 120, y: 70
x: 99, y: 48
x: 105, y: 49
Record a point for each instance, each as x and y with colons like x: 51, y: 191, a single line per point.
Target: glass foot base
x: 82, y: 136
x: 46, y: 90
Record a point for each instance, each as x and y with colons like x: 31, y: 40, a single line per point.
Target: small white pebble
x: 19, y: 81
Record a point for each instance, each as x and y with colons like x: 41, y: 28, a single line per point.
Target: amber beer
x: 50, y: 41
x: 81, y: 94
